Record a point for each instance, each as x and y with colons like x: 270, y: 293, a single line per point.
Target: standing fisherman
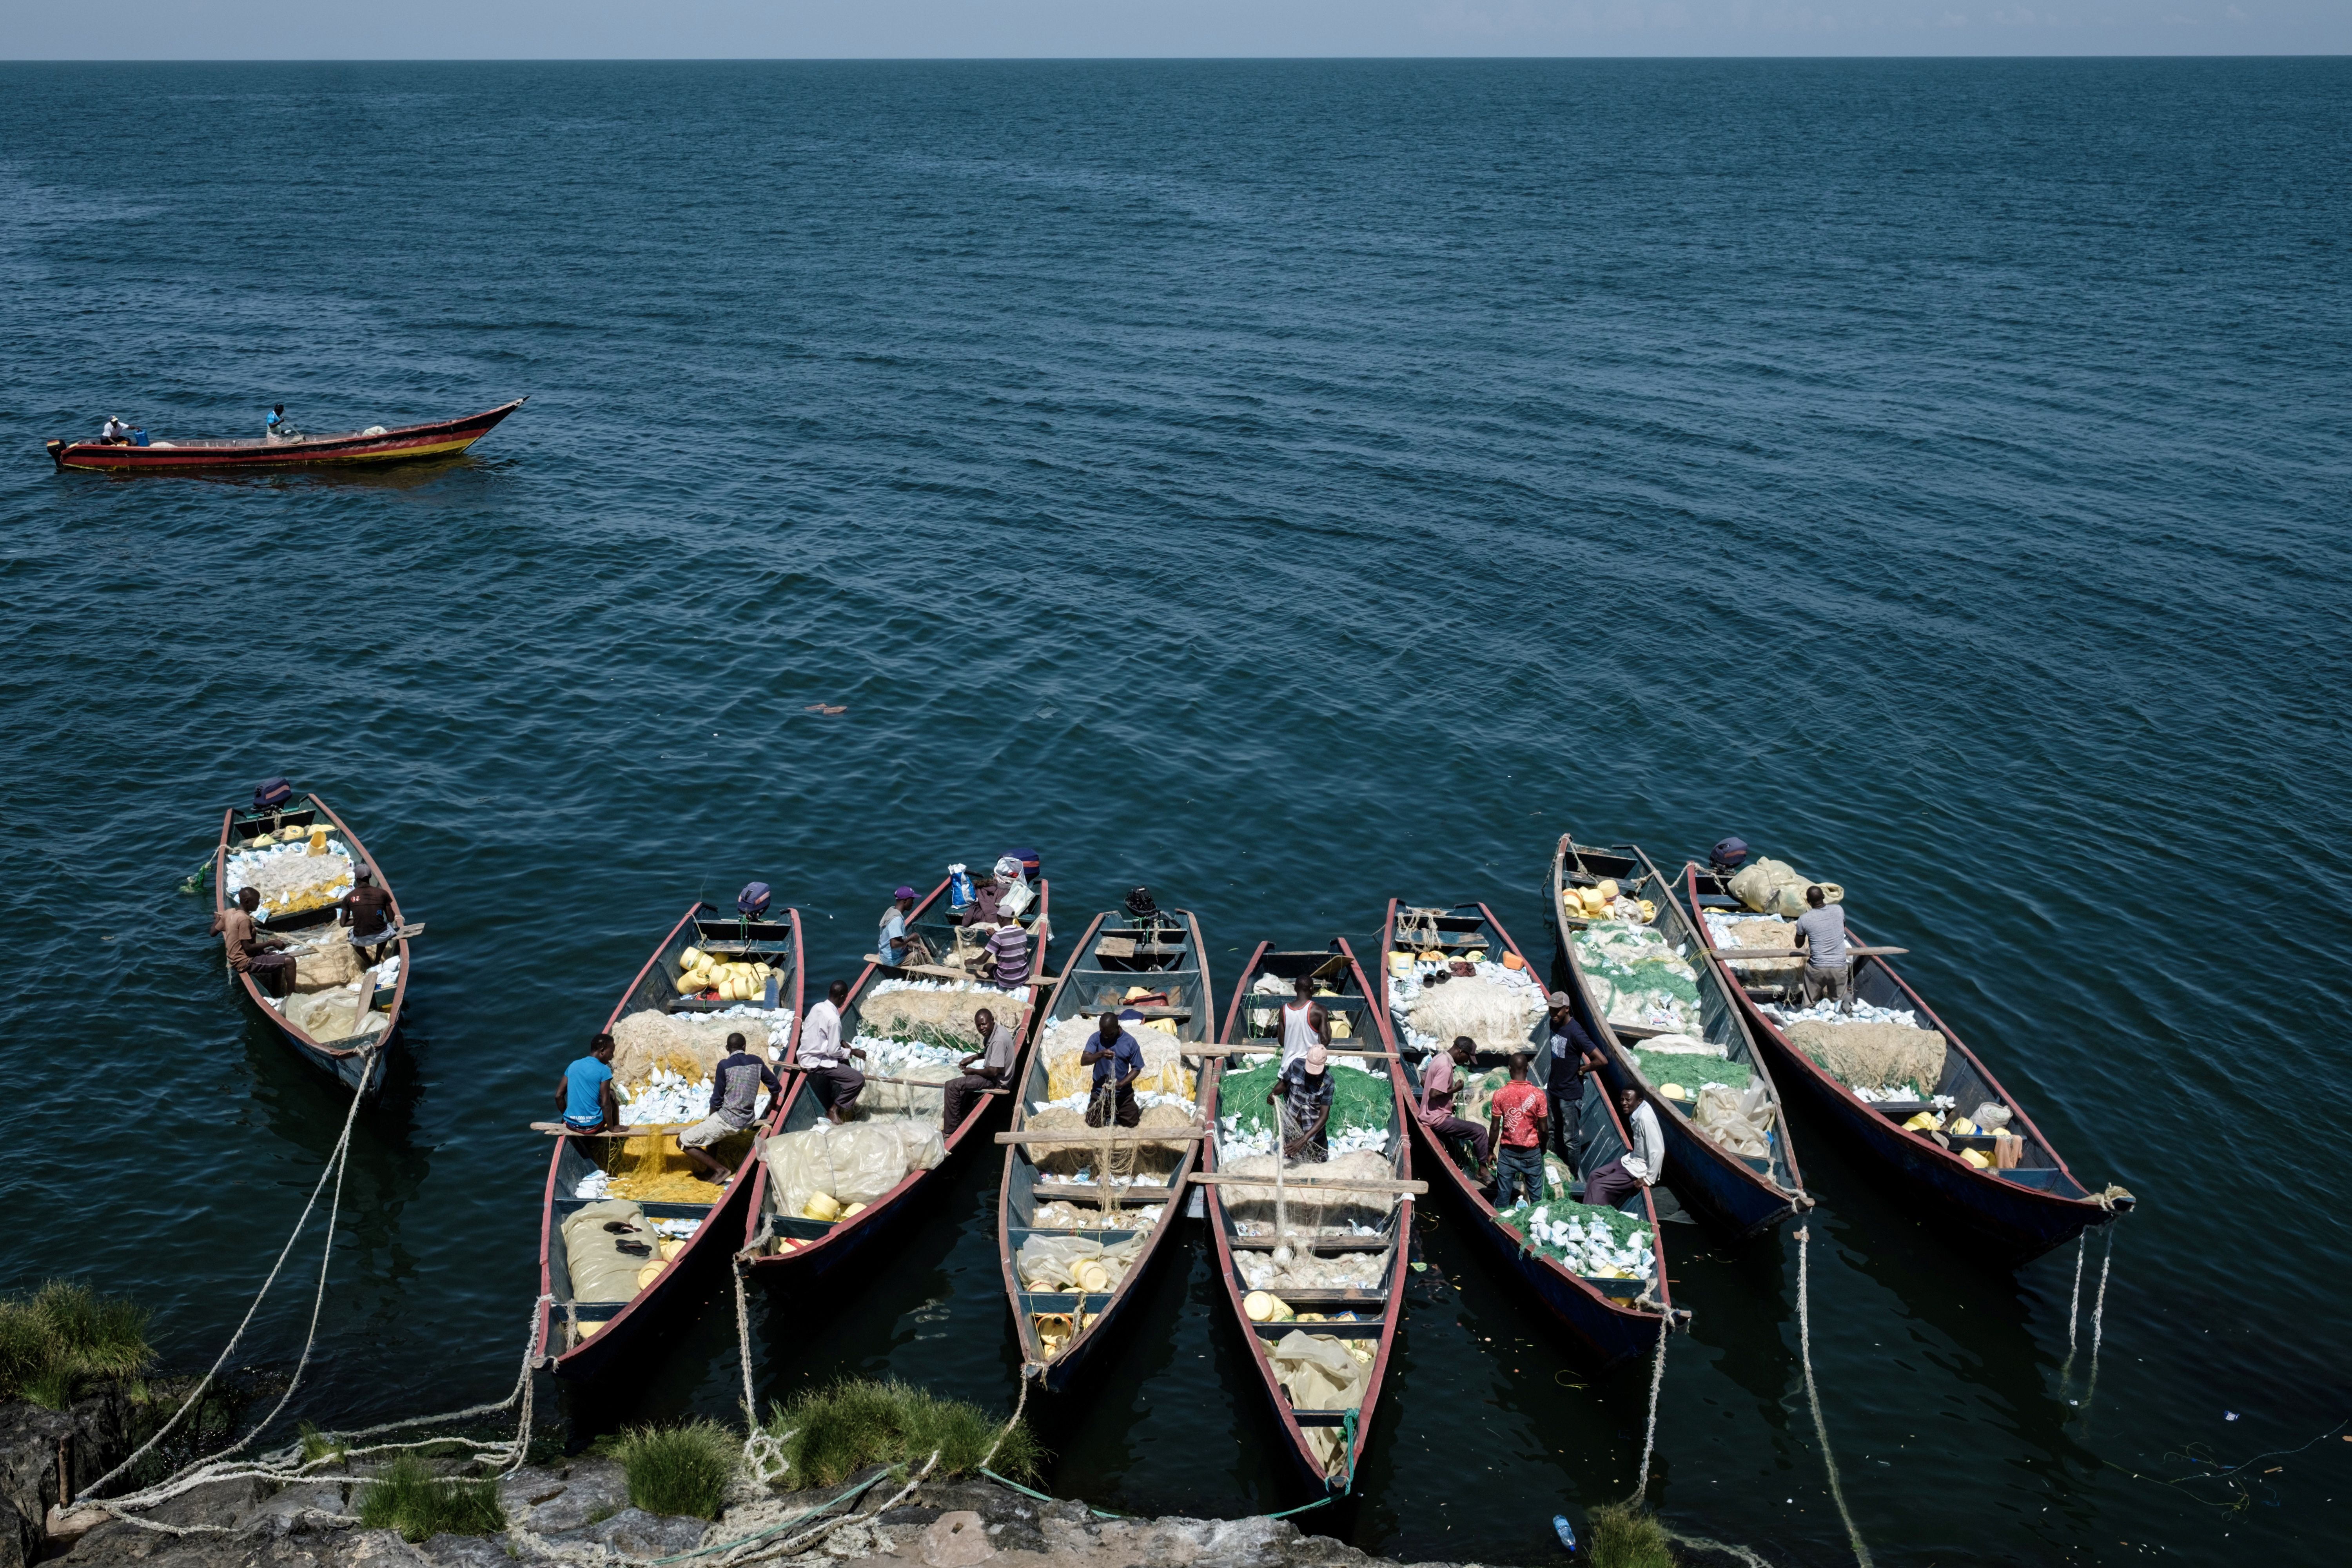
x: 1304, y: 1022
x: 1573, y: 1054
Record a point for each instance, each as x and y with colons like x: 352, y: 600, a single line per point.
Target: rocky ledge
x: 577, y: 1513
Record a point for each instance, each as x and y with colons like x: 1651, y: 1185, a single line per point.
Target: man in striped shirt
x: 1008, y: 950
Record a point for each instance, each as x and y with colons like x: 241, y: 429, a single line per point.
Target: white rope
x: 1812, y: 1394
x: 2074, y: 1307
x: 2098, y: 1317
x: 1650, y: 1436
x: 334, y: 1169
x: 763, y: 1455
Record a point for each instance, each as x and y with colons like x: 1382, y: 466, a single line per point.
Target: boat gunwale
x: 1168, y: 1214
x: 1475, y: 1195
x: 286, y: 1026
x: 239, y: 451
x: 712, y: 1224
x: 1213, y: 1207
x: 816, y: 1246
x: 1795, y: 1197
x: 1864, y: 1114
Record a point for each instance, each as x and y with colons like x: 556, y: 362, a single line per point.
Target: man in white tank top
x: 1303, y: 1023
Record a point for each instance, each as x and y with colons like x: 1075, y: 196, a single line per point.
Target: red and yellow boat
x: 375, y: 445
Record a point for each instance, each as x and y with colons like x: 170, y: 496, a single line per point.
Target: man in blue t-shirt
x: 585, y: 1091
x: 1117, y: 1060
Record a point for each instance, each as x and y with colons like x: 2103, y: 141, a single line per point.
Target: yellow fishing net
x: 654, y: 1169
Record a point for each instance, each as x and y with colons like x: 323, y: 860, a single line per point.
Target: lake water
x: 1287, y: 485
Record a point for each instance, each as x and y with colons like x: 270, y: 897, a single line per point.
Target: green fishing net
x: 1690, y: 1070
x: 1359, y: 1099
x: 1624, y: 1229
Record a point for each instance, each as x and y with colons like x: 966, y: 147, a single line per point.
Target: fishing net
x: 1130, y: 1157
x: 1635, y: 978
x: 688, y: 1044
x: 1059, y: 1215
x: 1737, y: 1122
x: 1340, y: 1271
x: 1324, y: 1371
x: 1875, y: 1057
x: 932, y: 1016
x: 652, y: 1169
x: 1542, y: 1225
x: 1310, y: 1208
x: 609, y: 1247
x: 1691, y: 1069
x: 881, y: 1099
x: 335, y: 962
x: 328, y: 1017
x: 849, y: 1162
x: 1498, y: 1017
x: 1360, y: 1100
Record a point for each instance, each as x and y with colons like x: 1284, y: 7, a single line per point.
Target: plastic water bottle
x: 1566, y: 1532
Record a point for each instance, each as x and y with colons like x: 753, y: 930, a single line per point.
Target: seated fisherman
x: 274, y: 427
x: 896, y: 946
x: 1117, y: 1057
x: 251, y: 953
x: 367, y: 910
x: 585, y: 1090
x: 1638, y: 1167
x: 735, y: 1085
x: 1304, y: 1091
x: 1438, y: 1077
x: 989, y: 1067
x: 1821, y: 937
x: 116, y: 432
x: 987, y: 903
x: 1008, y: 955
x: 1515, y: 1122
x: 837, y: 1083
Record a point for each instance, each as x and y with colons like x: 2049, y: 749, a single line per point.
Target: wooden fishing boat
x: 789, y: 1247
x: 1608, y: 1319
x: 578, y: 1337
x: 2009, y: 1215
x: 1161, y: 956
x: 1326, y: 1443
x: 348, y: 1042
x: 441, y: 438
x: 1739, y: 1195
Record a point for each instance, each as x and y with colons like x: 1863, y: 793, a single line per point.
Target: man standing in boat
x: 1821, y: 937
x: 250, y: 953
x: 367, y: 910
x: 1305, y: 1023
x: 837, y: 1083
x: 1573, y: 1054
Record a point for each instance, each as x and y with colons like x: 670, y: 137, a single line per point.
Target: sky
x: 750, y: 29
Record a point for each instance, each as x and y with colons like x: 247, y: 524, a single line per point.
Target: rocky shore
x: 576, y: 1512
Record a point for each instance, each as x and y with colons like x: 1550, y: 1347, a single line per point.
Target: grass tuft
x: 65, y: 1336
x: 317, y: 1446
x: 836, y: 1432
x: 679, y: 1470
x: 1625, y: 1536
x: 409, y: 1497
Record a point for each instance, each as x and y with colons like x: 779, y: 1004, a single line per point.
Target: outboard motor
x: 270, y: 793
x: 1726, y: 856
x: 1141, y: 908
x: 751, y: 903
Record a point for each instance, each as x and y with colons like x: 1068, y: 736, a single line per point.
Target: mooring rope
x: 334, y: 1170
x: 764, y: 1454
x: 1657, y: 1381
x: 1813, y: 1397
x: 2074, y: 1307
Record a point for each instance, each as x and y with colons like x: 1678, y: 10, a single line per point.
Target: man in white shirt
x: 1639, y: 1166
x: 836, y: 1083
x: 1821, y: 937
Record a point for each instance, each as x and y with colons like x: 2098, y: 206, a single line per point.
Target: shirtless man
x: 250, y: 952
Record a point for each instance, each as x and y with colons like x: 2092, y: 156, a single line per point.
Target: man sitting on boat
x: 735, y: 1085
x: 585, y: 1091
x: 1638, y: 1167
x: 985, y: 1069
x: 1117, y: 1060
x: 1305, y: 1091
x: 1438, y: 1076
x: 837, y: 1083
x: 274, y: 427
x: 249, y: 954
x: 987, y: 908
x: 367, y: 910
x: 1008, y: 956
x: 116, y: 432
x: 895, y: 945
x: 1821, y: 937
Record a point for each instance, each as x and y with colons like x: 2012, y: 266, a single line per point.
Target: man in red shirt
x: 1516, y: 1120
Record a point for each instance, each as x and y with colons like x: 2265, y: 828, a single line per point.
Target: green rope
x: 194, y: 882
x: 1044, y: 1497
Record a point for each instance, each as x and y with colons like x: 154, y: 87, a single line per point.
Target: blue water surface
x: 1292, y: 485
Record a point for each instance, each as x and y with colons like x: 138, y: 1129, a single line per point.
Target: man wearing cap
x: 116, y: 434
x: 1572, y: 1054
x: 1305, y: 1091
x: 896, y: 946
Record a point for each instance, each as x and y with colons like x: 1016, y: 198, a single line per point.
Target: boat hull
x: 407, y: 444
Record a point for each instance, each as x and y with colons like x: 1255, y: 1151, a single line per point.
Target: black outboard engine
x: 270, y: 793
x: 1140, y: 908
x: 1726, y: 856
x: 751, y: 903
